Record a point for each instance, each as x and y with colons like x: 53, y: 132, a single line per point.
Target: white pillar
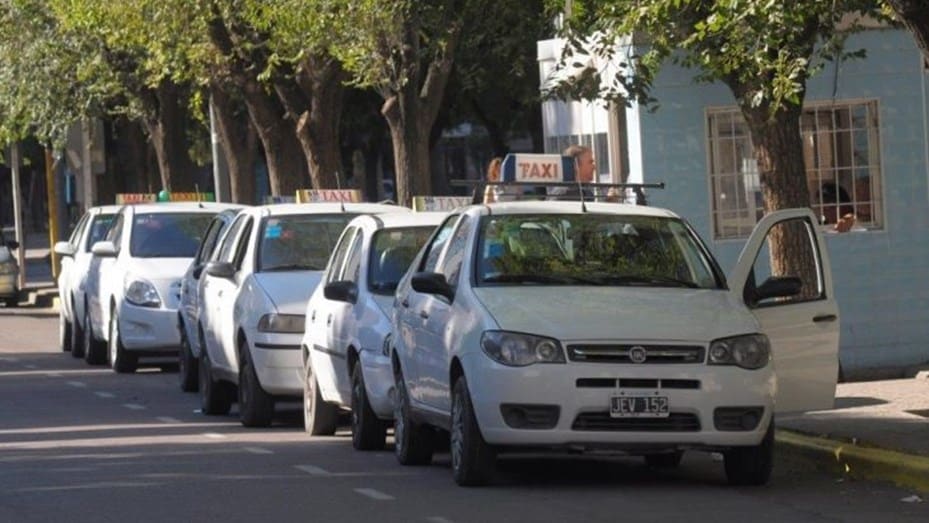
x: 220, y: 168
x: 18, y: 213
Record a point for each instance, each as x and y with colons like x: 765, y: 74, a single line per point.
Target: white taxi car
x: 72, y: 278
x: 134, y: 281
x: 562, y: 325
x: 254, y: 295
x: 348, y: 323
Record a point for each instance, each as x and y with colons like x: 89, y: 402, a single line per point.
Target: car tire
x: 413, y: 443
x: 187, y: 371
x: 751, y: 465
x: 94, y: 350
x: 665, y: 460
x: 368, y: 432
x: 256, y: 407
x: 320, y: 418
x: 215, y: 396
x: 121, y: 360
x: 473, y: 460
x: 65, y: 333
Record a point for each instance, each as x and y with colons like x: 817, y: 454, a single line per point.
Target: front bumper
x: 278, y: 362
x: 148, y: 329
x: 583, y: 406
x: 379, y: 383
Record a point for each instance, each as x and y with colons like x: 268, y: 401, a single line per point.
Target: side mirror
x: 104, y: 249
x: 13, y: 245
x: 345, y: 291
x: 64, y: 249
x: 432, y: 283
x: 220, y: 269
x: 778, y: 287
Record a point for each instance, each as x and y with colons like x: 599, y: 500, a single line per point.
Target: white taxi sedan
x: 348, y: 323
x: 558, y: 325
x: 134, y: 281
x: 254, y: 295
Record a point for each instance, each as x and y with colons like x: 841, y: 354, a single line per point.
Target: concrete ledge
x: 906, y: 470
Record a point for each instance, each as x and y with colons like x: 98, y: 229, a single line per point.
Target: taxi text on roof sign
x: 328, y: 195
x: 537, y: 168
x: 130, y: 198
x: 439, y: 203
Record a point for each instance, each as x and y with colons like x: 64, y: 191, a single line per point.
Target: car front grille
x: 603, y: 422
x: 636, y: 383
x: 611, y: 353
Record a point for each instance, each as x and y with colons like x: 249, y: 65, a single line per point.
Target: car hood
x: 289, y: 290
x: 164, y: 273
x: 613, y: 313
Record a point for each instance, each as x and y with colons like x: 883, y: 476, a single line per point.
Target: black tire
x: 256, y: 407
x: 473, y: 460
x: 751, y: 465
x: 94, y: 349
x: 666, y: 460
x: 121, y: 360
x: 215, y: 396
x: 187, y: 368
x: 413, y: 443
x: 320, y: 418
x: 368, y: 432
x: 65, y: 333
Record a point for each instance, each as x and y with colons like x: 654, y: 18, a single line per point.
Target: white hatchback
x: 253, y: 298
x: 133, y: 285
x: 559, y: 325
x: 346, y: 364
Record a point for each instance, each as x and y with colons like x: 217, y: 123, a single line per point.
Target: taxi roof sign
x: 138, y: 197
x: 328, y: 196
x: 537, y: 168
x: 440, y: 203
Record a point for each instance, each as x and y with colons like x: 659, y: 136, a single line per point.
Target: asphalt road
x: 80, y: 443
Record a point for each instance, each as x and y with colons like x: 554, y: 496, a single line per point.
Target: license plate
x: 639, y: 406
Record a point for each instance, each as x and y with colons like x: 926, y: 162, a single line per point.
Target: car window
x: 98, y: 229
x: 454, y: 254
x: 431, y: 259
x: 805, y: 265
x: 78, y: 230
x: 353, y: 261
x: 391, y: 253
x: 244, y: 239
x: 299, y: 241
x: 591, y: 249
x: 338, y: 256
x: 167, y: 235
x: 227, y: 246
x: 209, y: 241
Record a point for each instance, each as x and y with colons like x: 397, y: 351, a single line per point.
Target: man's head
x: 583, y: 162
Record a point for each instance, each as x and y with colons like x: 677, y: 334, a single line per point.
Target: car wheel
x: 473, y: 460
x: 665, y: 460
x: 186, y: 364
x: 256, y: 407
x: 413, y: 443
x: 121, y: 360
x: 320, y: 418
x: 94, y: 349
x: 65, y: 333
x: 368, y: 432
x: 751, y: 465
x: 215, y: 396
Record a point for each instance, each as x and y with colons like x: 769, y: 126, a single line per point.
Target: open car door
x: 793, y: 301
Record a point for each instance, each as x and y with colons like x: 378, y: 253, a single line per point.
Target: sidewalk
x: 878, y: 430
x: 39, y: 296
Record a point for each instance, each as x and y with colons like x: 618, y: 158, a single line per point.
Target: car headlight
x: 142, y: 293
x: 518, y: 350
x: 752, y: 351
x: 285, y: 323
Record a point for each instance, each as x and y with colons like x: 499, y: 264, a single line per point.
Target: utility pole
x: 18, y: 214
x: 51, y: 194
x: 220, y: 168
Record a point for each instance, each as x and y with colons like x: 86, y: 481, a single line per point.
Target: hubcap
x: 457, y: 436
x: 309, y: 395
x: 399, y: 422
x: 114, y: 336
x: 356, y: 407
x: 88, y: 332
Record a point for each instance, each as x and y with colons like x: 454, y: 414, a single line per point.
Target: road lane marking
x: 53, y: 374
x: 374, y: 494
x: 30, y: 366
x: 134, y: 406
x: 78, y: 384
x: 312, y: 470
x: 258, y: 450
x: 167, y: 419
x: 9, y: 359
x: 102, y: 394
x: 438, y: 519
x: 213, y: 435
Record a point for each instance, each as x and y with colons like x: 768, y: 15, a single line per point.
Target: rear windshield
x: 167, y: 235
x: 98, y: 229
x: 392, y: 251
x: 300, y: 242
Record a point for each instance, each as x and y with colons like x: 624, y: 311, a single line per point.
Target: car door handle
x: 424, y: 315
x: 313, y: 316
x: 824, y: 317
x: 329, y: 320
x: 405, y: 302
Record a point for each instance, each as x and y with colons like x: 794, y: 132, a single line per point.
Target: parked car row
x: 548, y: 325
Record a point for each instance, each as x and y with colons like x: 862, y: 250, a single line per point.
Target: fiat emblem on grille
x: 638, y: 354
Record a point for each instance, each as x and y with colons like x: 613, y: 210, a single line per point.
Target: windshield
x: 167, y: 235
x: 591, y: 249
x: 98, y: 229
x: 301, y: 242
x: 392, y: 251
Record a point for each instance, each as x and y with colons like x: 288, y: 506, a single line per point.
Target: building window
x: 841, y: 152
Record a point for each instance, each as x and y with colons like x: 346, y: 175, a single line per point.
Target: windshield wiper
x: 290, y: 267
x: 557, y: 279
x: 658, y: 281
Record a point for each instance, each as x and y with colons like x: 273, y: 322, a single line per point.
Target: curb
x: 905, y: 470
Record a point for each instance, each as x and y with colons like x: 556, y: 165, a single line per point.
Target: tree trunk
x: 915, y: 16
x: 166, y: 127
x: 411, y: 151
x: 238, y: 139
